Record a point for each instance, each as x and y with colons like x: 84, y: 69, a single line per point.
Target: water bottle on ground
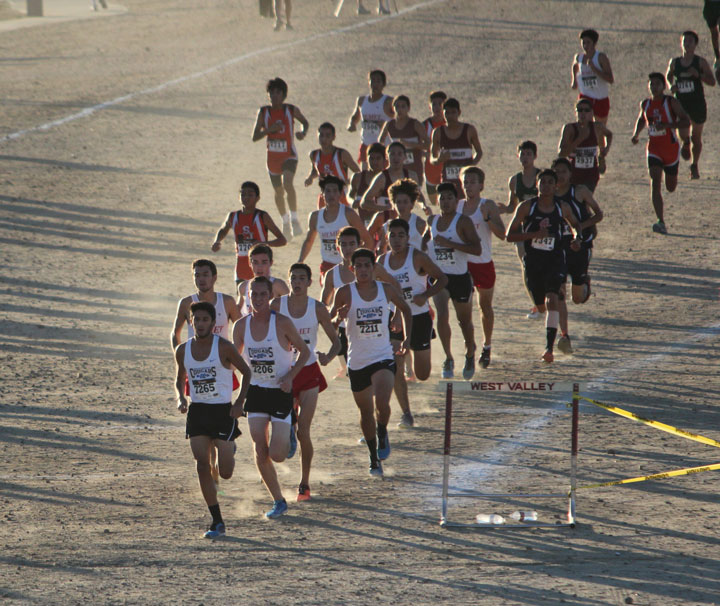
x: 489, y: 518
x: 524, y: 516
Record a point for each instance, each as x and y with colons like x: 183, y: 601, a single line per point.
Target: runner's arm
x: 514, y: 231
x: 475, y: 142
x: 682, y: 119
x: 706, y: 73
x: 512, y: 198
x: 181, y: 318
x: 279, y: 288
x: 231, y: 308
x: 670, y: 75
x: 180, y: 375
x: 291, y: 334
x: 587, y: 196
x: 324, y: 320
x: 355, y: 116
x: 494, y: 220
x: 426, y: 264
x: 375, y: 189
x: 606, y: 136
x: 328, y: 288
x: 355, y: 221
x: 222, y: 232
x: 259, y: 131
x: 639, y: 124
x: 605, y: 72
x: 298, y: 115
x: 395, y: 296
x: 309, y: 237
x: 280, y: 239
x: 349, y: 163
x: 313, y: 172
x: 574, y: 71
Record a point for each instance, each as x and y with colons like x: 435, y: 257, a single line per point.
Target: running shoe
x: 383, y: 450
x: 448, y: 369
x: 548, y: 356
x: 287, y: 229
x: 216, y: 531
x: 279, y: 508
x: 406, y: 420
x: 278, y: 26
x: 469, y: 368
x: 297, y: 229
x: 293, y: 443
x: 564, y: 344
x: 485, y: 357
x: 376, y: 469
x: 685, y: 151
x: 694, y: 172
x: 362, y: 10
x: 659, y: 228
x: 534, y: 314
x: 303, y: 493
x: 362, y: 440
x: 289, y: 27
x: 383, y: 10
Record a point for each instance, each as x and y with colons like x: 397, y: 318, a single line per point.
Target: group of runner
x: 382, y: 263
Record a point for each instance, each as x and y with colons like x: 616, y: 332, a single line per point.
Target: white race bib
x: 452, y: 172
x: 686, y: 86
x: 547, y: 243
x: 277, y: 145
x: 371, y: 128
x: 590, y: 81
x: 585, y: 157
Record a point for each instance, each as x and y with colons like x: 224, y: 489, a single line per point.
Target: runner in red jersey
x: 455, y: 145
x: 330, y: 160
x: 361, y: 181
x: 586, y: 144
x: 433, y: 172
x: 663, y: 115
x: 409, y: 132
x: 250, y: 226
x: 276, y: 123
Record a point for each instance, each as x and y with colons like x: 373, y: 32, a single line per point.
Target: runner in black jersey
x: 588, y: 213
x: 538, y: 224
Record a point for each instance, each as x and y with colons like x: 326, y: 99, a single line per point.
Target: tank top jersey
x: 248, y: 230
x: 413, y: 157
x: 221, y: 317
x: 411, y: 282
x: 337, y: 283
x: 330, y: 164
x: 582, y: 213
x: 210, y: 382
x: 433, y: 172
x: 451, y: 261
x: 415, y: 236
x: 522, y: 191
x: 384, y: 198
x: 328, y: 234
x: 282, y: 142
x: 551, y: 244
x: 483, y: 231
x: 659, y: 110
x: 585, y: 159
x: 368, y: 329
x: 245, y: 308
x: 589, y: 83
x: 461, y: 153
x: 373, y: 118
x: 307, y: 326
x: 689, y: 89
x: 268, y: 361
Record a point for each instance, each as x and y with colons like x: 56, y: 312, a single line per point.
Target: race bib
x: 653, y: 131
x: 461, y: 154
x: 452, y: 172
x: 369, y: 322
x: 686, y: 86
x: 409, y: 157
x: 277, y: 145
x: 202, y: 380
x: 445, y: 256
x: 407, y: 293
x: 383, y: 201
x: 585, y: 157
x: 547, y: 243
x: 371, y: 128
x: 329, y: 246
x: 589, y: 81
x: 244, y: 246
x: 262, y: 362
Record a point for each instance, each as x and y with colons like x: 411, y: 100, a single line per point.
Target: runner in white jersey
x: 412, y: 268
x: 265, y: 340
x: 261, y: 262
x: 372, y: 111
x: 366, y: 305
x: 592, y: 75
x: 328, y: 222
x: 403, y: 195
x: 206, y: 361
x: 307, y: 315
x: 485, y: 215
x: 453, y: 238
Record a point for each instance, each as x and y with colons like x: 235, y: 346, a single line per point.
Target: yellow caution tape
x: 656, y: 424
x: 656, y: 476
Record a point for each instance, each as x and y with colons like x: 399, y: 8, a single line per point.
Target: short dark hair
x: 402, y: 223
x: 261, y: 249
x: 692, y: 34
x: 590, y: 33
x: 376, y: 148
x: 473, y: 170
x: 260, y: 280
x: 396, y: 144
x: 451, y: 103
x: 302, y: 267
x: 362, y: 252
x: 563, y: 161
x: 658, y: 76
x: 547, y: 172
x: 402, y: 98
x: 203, y: 306
x: 527, y: 144
x: 348, y: 230
x: 404, y: 186
x: 327, y: 125
x: 438, y: 94
x: 329, y: 179
x: 584, y: 101
x: 378, y: 72
x: 205, y: 263
x: 250, y: 185
x: 447, y: 186
x: 277, y: 84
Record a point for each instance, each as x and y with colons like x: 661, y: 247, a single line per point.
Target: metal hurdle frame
x: 446, y: 495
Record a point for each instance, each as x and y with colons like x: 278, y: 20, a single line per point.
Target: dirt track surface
x: 102, y: 215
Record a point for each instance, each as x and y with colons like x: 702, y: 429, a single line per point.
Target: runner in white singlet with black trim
x: 307, y: 315
x: 265, y: 340
x: 206, y: 362
x: 366, y: 305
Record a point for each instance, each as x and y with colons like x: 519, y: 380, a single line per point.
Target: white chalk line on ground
x: 495, y: 461
x: 88, y: 111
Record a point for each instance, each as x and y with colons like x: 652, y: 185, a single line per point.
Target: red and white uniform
x: 248, y: 229
x: 593, y: 87
x: 280, y: 145
x: 413, y: 157
x: 433, y: 172
x: 330, y: 164
x: 328, y: 231
x: 662, y: 143
x: 481, y: 267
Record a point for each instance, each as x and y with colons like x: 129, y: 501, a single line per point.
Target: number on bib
x: 277, y: 145
x: 547, y: 243
x: 686, y: 86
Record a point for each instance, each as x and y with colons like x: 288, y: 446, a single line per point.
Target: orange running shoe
x: 548, y: 356
x: 303, y: 493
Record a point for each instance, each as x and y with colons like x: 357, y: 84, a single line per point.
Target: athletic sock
x: 381, y: 430
x: 293, y: 215
x: 215, y: 513
x: 286, y: 218
x: 551, y: 334
x: 372, y: 447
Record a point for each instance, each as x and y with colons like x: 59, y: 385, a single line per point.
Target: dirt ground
x: 102, y: 215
